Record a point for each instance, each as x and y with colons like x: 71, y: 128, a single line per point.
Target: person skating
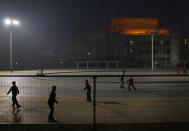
x: 122, y: 79
x: 122, y: 82
x: 15, y: 92
x: 88, y: 88
x: 51, y: 101
x: 131, y: 84
x: 184, y: 71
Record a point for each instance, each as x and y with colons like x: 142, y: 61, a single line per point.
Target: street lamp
x: 152, y: 33
x: 11, y: 22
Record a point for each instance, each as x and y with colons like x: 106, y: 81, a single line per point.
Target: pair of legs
x: 15, y: 102
x: 89, y: 96
x: 122, y: 85
x: 51, y: 106
x: 132, y: 87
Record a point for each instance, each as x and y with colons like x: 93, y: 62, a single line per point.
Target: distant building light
x: 161, y: 42
x: 186, y: 42
x: 131, y: 43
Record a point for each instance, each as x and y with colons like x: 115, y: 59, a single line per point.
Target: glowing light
x: 143, y: 31
x: 186, y: 42
x: 15, y: 22
x: 135, y: 26
x: 7, y: 21
x: 10, y: 22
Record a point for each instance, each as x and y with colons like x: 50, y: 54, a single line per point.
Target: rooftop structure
x: 135, y: 26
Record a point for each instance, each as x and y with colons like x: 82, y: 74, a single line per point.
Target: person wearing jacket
x: 15, y: 92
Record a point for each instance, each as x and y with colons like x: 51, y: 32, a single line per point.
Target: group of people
x: 52, y: 97
x: 51, y: 101
x: 130, y: 82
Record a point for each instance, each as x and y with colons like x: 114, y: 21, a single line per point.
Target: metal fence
x: 157, y: 99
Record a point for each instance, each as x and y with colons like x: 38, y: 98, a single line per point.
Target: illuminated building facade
x: 129, y: 41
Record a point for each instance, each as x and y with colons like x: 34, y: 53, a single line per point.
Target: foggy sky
x: 44, y: 23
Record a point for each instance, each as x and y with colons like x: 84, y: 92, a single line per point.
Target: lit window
x: 131, y: 43
x: 161, y: 42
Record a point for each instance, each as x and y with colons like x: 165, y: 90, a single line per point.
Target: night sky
x: 44, y: 23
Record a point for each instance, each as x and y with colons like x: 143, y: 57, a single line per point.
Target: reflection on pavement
x: 16, y: 117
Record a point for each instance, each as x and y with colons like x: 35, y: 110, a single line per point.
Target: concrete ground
x: 108, y: 110
x: 152, y: 103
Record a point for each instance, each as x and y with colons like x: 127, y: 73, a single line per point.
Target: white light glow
x: 10, y: 22
x: 15, y: 22
x: 7, y: 22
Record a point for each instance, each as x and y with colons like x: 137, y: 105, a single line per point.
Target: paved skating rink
x: 157, y: 98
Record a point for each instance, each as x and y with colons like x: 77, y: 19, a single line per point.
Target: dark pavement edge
x: 99, y: 127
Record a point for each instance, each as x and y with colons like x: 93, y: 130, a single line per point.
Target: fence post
x: 94, y: 103
x: 117, y: 64
x: 77, y: 65
x: 107, y: 64
x: 87, y: 65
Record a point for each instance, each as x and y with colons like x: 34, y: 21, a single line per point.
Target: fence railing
x: 157, y: 98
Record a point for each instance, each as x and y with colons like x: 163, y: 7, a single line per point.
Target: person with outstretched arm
x: 15, y: 92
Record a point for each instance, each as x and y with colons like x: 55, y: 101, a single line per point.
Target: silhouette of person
x: 122, y: 79
x: 51, y: 101
x: 88, y: 88
x: 184, y: 71
x: 15, y: 91
x: 131, y: 83
x: 123, y: 72
x: 122, y: 82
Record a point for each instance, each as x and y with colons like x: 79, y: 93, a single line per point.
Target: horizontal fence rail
x: 157, y: 99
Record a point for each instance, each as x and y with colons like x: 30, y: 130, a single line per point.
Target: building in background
x: 127, y: 44
x: 128, y: 41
